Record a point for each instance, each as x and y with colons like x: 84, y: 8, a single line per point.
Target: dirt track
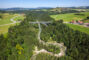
x: 60, y: 45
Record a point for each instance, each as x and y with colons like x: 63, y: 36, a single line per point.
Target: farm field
x: 86, y: 21
x: 79, y: 28
x: 4, y: 29
x: 6, y: 18
x: 70, y: 16
x: 81, y: 9
x: 5, y: 21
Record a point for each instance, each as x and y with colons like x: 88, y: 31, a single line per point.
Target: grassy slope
x: 70, y: 16
x: 6, y: 20
x: 81, y: 9
x: 21, y: 17
x: 78, y: 27
x: 4, y: 29
x: 86, y: 21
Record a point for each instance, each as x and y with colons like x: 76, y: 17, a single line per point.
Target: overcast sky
x: 42, y: 3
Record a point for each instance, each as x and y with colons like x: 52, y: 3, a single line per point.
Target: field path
x: 12, y: 19
x: 36, y: 51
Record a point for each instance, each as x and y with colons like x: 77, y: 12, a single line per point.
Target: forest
x: 76, y: 42
x: 21, y: 40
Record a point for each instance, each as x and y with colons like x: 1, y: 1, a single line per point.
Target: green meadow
x: 20, y: 17
x: 79, y: 28
x: 6, y: 20
x: 70, y: 16
x: 4, y: 29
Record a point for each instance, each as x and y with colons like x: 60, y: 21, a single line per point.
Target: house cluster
x: 80, y: 23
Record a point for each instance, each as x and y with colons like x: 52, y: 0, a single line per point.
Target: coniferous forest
x: 22, y: 39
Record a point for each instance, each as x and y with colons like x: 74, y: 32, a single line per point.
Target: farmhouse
x: 80, y: 22
x: 73, y: 22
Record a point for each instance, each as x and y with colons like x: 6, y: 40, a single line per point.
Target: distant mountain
x: 18, y: 8
x: 44, y: 8
x: 14, y: 9
x: 81, y: 7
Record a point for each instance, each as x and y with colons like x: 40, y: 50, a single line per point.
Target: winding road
x: 36, y: 51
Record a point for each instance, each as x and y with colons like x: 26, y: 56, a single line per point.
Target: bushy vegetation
x: 86, y: 20
x: 21, y: 39
x: 34, y: 16
x: 3, y: 48
x: 5, y: 18
x: 24, y: 36
x: 19, y: 18
x: 76, y: 42
x: 1, y: 11
x: 49, y: 48
x: 43, y: 56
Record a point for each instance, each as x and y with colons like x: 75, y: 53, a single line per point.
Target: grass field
x: 20, y: 17
x: 79, y: 28
x: 86, y: 21
x: 81, y: 9
x: 70, y: 16
x: 4, y: 29
x: 6, y: 20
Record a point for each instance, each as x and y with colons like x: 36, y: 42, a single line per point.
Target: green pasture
x: 70, y: 16
x: 4, y: 29
x: 6, y: 20
x: 19, y: 18
x: 86, y: 21
x: 81, y: 9
x: 79, y: 28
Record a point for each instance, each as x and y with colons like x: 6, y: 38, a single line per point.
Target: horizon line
x: 42, y: 6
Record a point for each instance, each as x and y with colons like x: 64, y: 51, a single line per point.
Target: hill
x: 71, y: 16
x: 20, y: 8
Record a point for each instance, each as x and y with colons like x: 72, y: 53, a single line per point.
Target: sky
x: 42, y: 3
